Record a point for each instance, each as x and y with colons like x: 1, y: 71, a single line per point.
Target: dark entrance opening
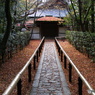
x: 49, y: 29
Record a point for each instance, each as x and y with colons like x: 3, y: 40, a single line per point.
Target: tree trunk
x: 80, y: 15
x: 8, y: 27
x: 92, y: 15
x: 74, y: 11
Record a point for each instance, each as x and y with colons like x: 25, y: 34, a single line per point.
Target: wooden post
x: 19, y: 86
x: 59, y: 50
x: 29, y: 73
x: 39, y: 50
x: 37, y: 56
x: 79, y: 86
x: 61, y: 56
x: 70, y: 72
x: 56, y: 44
x: 65, y: 61
x: 34, y: 62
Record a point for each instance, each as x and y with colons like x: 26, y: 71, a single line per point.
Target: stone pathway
x: 50, y: 79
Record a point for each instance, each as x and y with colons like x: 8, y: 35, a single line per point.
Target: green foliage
x: 80, y: 13
x: 67, y: 20
x: 2, y: 16
x: 16, y: 41
x: 17, y: 8
x: 20, y: 39
x: 83, y: 41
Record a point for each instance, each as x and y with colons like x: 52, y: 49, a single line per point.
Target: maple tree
x: 12, y: 14
x: 81, y: 15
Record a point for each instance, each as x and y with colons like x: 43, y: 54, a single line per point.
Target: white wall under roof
x: 36, y: 33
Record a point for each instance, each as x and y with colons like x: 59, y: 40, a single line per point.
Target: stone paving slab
x: 50, y: 79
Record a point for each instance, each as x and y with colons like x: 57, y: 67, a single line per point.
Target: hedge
x: 15, y: 42
x: 83, y: 41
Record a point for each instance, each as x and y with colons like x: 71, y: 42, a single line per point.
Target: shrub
x: 20, y: 39
x: 15, y: 42
x: 83, y: 41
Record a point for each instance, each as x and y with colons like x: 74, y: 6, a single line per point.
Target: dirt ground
x: 9, y: 69
x: 85, y: 66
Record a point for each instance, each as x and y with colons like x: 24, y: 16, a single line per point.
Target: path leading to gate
x: 49, y: 79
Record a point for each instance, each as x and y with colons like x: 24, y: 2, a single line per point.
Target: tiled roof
x: 49, y: 19
x: 53, y: 12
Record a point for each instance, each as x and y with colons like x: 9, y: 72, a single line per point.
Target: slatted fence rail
x: 17, y: 80
x: 81, y: 78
